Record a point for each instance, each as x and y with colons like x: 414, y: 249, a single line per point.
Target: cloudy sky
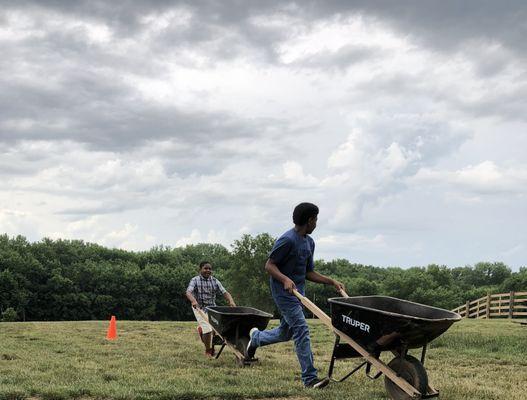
x: 139, y: 123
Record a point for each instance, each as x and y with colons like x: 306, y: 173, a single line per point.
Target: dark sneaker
x: 250, y: 348
x: 318, y: 383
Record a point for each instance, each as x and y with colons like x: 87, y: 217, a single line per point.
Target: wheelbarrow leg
x: 351, y: 373
x: 368, y: 369
x: 334, y: 358
x: 221, y: 349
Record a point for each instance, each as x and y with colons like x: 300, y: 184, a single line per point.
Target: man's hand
x: 195, y: 304
x: 338, y: 286
x: 289, y: 285
x: 232, y: 304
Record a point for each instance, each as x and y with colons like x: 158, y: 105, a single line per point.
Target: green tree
x: 491, y: 273
x: 9, y: 315
x: 247, y: 280
x: 516, y: 282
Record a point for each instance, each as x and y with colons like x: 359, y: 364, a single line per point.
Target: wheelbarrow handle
x: 326, y: 319
x: 202, y: 313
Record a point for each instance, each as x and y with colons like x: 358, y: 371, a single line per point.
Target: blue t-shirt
x: 293, y: 255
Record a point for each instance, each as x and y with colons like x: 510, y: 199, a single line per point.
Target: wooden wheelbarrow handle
x: 202, y: 313
x: 314, y: 309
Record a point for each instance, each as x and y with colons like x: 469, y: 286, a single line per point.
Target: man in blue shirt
x: 290, y: 263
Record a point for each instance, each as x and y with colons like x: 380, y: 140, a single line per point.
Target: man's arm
x: 229, y: 299
x: 192, y: 300
x: 314, y: 276
x: 223, y: 291
x: 272, y: 269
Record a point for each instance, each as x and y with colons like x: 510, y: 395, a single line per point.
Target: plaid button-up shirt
x: 204, y: 290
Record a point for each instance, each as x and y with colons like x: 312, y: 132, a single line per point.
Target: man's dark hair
x: 303, y: 212
x: 201, y: 264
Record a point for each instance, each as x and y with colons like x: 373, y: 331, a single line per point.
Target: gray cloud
x: 339, y: 60
x: 445, y: 24
x: 88, y: 211
x: 104, y: 113
x: 508, y: 106
x: 57, y: 85
x: 209, y: 21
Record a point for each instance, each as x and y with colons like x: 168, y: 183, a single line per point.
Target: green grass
x: 480, y: 360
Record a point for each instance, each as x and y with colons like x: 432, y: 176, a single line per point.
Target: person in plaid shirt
x: 201, y: 293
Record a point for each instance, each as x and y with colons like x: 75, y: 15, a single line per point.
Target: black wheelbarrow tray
x: 232, y: 325
x: 365, y: 326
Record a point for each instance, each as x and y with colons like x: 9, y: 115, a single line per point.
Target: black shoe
x: 318, y: 383
x: 250, y: 348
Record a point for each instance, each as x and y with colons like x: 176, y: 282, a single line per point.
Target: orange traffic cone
x: 112, y: 329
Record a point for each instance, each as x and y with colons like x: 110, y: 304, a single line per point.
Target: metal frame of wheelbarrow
x: 371, y: 359
x: 240, y: 358
x: 402, y: 353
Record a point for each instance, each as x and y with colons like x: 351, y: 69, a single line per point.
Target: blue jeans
x: 292, y: 325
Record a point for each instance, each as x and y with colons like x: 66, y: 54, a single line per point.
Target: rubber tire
x: 411, y: 370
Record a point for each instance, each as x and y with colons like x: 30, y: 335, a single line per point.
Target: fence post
x: 467, y: 306
x: 511, y: 304
x: 487, y: 313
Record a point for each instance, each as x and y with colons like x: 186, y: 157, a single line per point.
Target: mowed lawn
x: 164, y: 360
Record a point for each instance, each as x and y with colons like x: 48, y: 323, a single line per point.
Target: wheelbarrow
x: 232, y: 326
x: 365, y: 326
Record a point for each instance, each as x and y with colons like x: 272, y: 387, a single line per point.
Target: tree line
x: 75, y: 280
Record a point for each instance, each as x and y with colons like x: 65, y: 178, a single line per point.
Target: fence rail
x: 501, y: 305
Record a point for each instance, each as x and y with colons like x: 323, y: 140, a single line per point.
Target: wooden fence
x: 501, y: 305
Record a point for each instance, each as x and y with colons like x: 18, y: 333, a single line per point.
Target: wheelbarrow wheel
x: 240, y: 363
x: 412, y: 371
x: 242, y: 344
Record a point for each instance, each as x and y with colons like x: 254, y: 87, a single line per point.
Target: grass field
x: 477, y: 360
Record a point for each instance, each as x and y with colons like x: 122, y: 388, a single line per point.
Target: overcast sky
x: 139, y: 123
